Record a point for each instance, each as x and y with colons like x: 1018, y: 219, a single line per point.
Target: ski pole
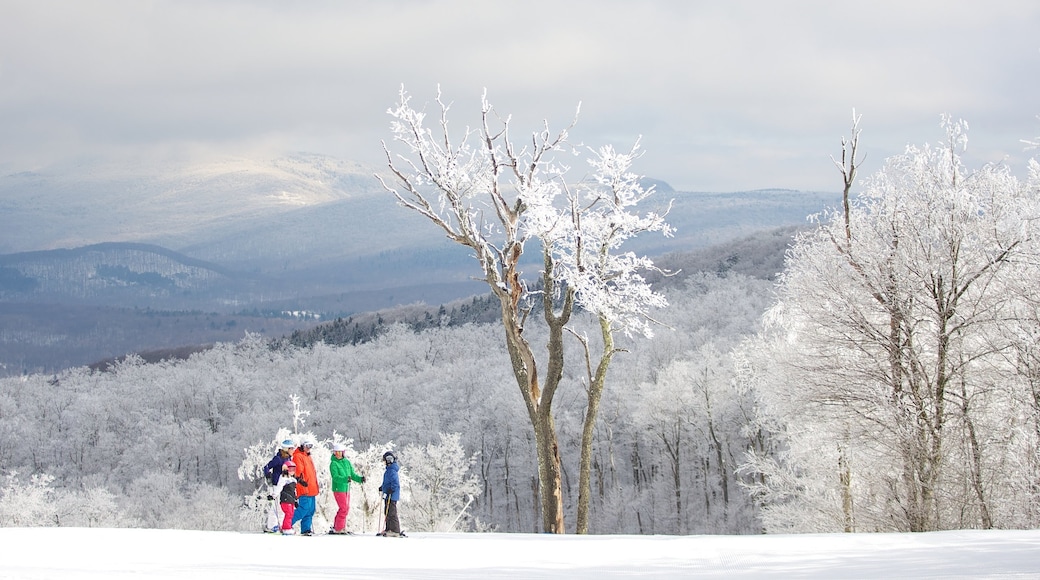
x: 458, y: 517
x: 379, y: 518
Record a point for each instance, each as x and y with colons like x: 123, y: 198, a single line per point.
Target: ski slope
x: 113, y: 554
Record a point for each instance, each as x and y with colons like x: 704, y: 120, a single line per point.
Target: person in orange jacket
x: 306, y: 487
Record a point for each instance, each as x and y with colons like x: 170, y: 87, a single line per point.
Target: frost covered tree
x: 441, y: 486
x: 27, y: 504
x: 584, y: 239
x: 36, y: 502
x: 888, y: 318
x: 94, y: 507
x: 692, y: 425
x: 164, y: 500
x: 494, y: 197
x: 168, y: 428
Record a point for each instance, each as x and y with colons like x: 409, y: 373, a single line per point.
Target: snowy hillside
x: 113, y: 554
x: 300, y: 212
x: 113, y: 270
x: 293, y: 227
x: 250, y: 236
x: 169, y: 203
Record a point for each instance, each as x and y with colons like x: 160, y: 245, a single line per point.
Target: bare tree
x: 848, y: 166
x: 487, y: 194
x: 606, y: 281
x: 890, y: 302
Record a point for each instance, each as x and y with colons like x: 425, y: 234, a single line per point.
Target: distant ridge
x: 117, y: 274
x: 760, y: 256
x: 104, y: 258
x: 73, y: 253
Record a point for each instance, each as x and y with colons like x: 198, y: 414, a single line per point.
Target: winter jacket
x: 273, y: 469
x: 391, y: 482
x: 305, y: 474
x: 342, y: 472
x: 287, y: 489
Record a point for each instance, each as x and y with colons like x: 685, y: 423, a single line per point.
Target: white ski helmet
x: 338, y: 447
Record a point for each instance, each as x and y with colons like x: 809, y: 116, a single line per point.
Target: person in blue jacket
x: 391, y: 490
x: 272, y: 472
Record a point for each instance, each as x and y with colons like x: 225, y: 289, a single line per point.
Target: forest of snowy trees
x: 892, y: 385
x: 899, y: 364
x: 162, y: 444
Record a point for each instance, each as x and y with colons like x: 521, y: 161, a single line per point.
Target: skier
x: 272, y: 473
x: 307, y: 487
x: 342, y: 472
x: 391, y: 490
x: 286, y: 494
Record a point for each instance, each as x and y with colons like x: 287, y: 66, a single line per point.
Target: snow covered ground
x: 112, y: 554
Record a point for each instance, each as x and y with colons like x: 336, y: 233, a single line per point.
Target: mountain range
x: 276, y: 244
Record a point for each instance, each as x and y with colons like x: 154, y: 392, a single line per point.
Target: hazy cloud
x: 727, y: 95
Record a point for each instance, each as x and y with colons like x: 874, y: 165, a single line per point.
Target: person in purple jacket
x: 272, y: 471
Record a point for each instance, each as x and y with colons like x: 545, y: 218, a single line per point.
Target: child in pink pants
x: 287, y: 495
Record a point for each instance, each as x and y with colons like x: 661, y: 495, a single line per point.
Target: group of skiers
x: 294, y: 489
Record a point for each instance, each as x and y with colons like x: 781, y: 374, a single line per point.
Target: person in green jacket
x: 342, y: 473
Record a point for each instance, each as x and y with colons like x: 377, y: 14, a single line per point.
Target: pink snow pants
x: 343, y: 501
x: 287, y: 509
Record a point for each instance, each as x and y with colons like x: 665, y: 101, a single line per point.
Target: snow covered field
x: 112, y: 554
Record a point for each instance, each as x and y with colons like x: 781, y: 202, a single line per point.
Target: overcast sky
x: 728, y: 95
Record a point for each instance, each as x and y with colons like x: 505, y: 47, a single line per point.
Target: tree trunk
x: 845, y: 479
x: 596, y: 385
x: 975, y: 448
x: 550, y: 488
x: 720, y: 461
x: 539, y: 400
x: 673, y: 449
x: 550, y: 482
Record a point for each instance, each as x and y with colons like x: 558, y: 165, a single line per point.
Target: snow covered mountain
x: 258, y: 237
x: 304, y: 225
x: 168, y: 203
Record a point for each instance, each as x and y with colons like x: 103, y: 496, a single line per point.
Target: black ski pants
x: 392, y: 523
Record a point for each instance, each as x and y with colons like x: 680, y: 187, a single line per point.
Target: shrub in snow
x: 95, y: 507
x: 35, y: 503
x: 441, y: 488
x: 27, y: 504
